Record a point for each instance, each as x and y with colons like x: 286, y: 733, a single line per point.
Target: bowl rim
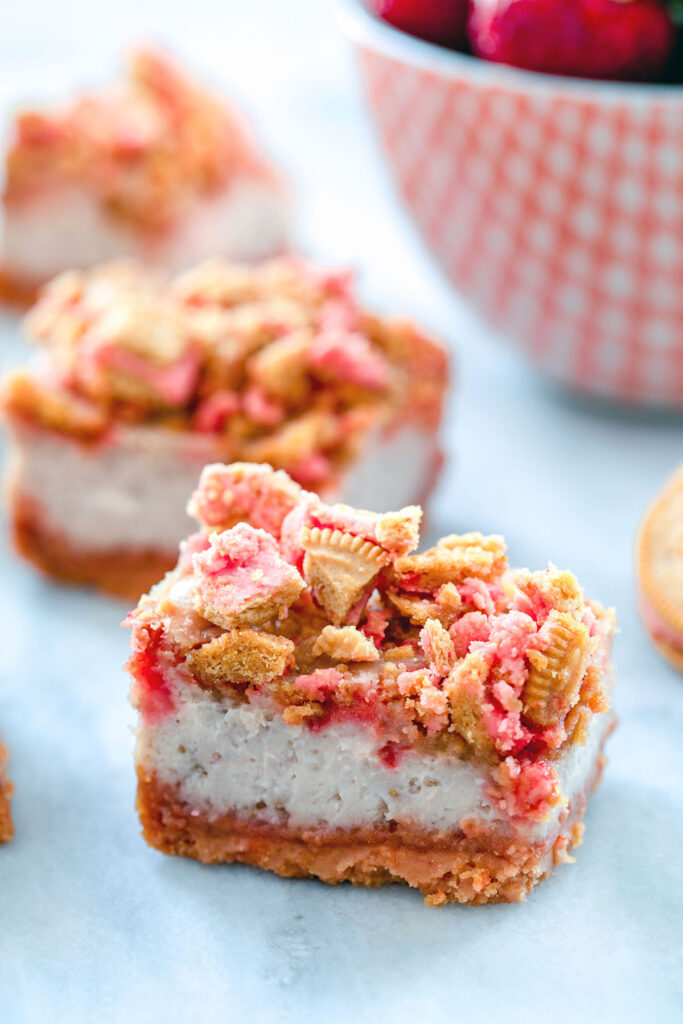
x: 364, y: 28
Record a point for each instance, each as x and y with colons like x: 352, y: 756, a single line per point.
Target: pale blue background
x: 96, y: 927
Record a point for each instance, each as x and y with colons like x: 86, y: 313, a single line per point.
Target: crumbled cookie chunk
x: 464, y: 688
x: 427, y: 702
x: 138, y: 351
x: 345, y: 643
x: 241, y: 579
x: 445, y: 608
x: 551, y: 588
x: 555, y: 673
x: 280, y: 368
x: 399, y: 532
x: 23, y: 396
x: 242, y: 656
x: 453, y: 560
x: 297, y: 714
x: 438, y: 647
x: 339, y: 568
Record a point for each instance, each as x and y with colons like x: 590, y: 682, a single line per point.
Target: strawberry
x: 439, y: 21
x: 623, y: 39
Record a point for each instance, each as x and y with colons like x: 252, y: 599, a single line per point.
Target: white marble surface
x: 96, y: 927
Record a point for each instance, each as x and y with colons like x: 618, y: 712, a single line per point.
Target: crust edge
x: 470, y: 868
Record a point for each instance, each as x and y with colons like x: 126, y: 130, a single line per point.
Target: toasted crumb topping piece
x: 26, y: 397
x: 555, y: 673
x: 444, y: 608
x: 438, y: 647
x: 241, y: 579
x: 399, y: 532
x: 345, y: 643
x: 242, y: 656
x: 339, y: 568
x: 281, y: 367
x: 453, y: 560
x: 551, y: 588
x: 464, y: 689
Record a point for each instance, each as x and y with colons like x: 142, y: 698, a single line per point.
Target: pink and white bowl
x: 554, y: 205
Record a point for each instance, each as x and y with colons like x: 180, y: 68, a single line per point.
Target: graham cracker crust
x: 17, y: 291
x: 6, y: 825
x: 124, y: 572
x: 475, y: 866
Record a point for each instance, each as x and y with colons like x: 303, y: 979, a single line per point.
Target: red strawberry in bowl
x: 620, y: 39
x: 439, y: 21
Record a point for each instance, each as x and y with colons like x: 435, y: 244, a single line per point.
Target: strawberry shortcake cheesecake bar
x: 153, y: 168
x: 144, y: 380
x: 317, y: 699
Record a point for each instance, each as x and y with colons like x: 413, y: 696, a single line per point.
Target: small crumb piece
x: 419, y: 610
x: 229, y: 590
x: 345, y: 643
x: 438, y: 647
x: 296, y: 714
x: 242, y: 656
x: 553, y: 688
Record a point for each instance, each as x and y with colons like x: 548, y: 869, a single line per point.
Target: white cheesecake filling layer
x: 132, y: 491
x: 228, y: 756
x: 67, y: 229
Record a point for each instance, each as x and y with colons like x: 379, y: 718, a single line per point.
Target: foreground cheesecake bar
x: 317, y: 700
x: 6, y: 826
x: 144, y: 381
x: 153, y: 168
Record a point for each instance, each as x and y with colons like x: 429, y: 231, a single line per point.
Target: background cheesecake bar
x: 317, y: 700
x: 143, y: 381
x: 154, y: 168
x: 6, y: 826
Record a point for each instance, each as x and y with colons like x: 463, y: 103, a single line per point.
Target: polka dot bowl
x: 554, y: 205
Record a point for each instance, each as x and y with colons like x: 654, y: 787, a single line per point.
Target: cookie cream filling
x: 66, y: 228
x: 229, y: 756
x: 131, y: 491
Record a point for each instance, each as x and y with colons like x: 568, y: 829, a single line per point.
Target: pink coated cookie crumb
x: 473, y: 627
x: 241, y: 578
x: 318, y: 685
x: 348, y: 357
x: 527, y: 789
x: 174, y: 384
